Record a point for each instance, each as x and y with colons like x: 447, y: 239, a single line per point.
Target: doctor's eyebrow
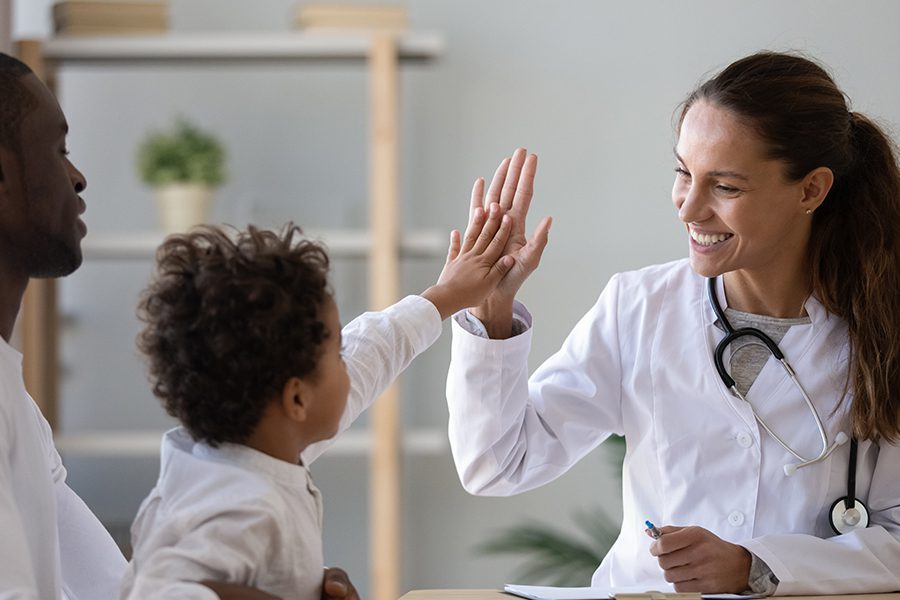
x: 733, y: 174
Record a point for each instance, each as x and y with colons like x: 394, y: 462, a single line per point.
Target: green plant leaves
x: 186, y: 155
x: 553, y: 557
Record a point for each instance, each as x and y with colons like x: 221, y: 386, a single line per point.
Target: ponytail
x: 855, y: 256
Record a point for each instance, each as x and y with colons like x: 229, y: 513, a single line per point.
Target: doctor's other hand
x: 696, y: 560
x: 512, y: 187
x: 475, y: 264
x: 336, y: 585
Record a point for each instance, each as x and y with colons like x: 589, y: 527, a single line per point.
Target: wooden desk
x: 498, y: 595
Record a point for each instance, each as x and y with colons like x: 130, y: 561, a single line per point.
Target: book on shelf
x: 97, y: 17
x: 350, y: 17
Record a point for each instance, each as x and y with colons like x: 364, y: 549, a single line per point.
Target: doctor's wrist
x: 497, y: 318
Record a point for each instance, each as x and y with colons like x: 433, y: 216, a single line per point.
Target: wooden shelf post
x: 384, y: 276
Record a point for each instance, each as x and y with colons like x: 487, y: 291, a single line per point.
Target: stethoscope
x: 847, y: 513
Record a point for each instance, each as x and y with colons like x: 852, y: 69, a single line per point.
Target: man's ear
x: 295, y: 397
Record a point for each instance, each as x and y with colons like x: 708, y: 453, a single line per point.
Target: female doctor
x: 772, y: 476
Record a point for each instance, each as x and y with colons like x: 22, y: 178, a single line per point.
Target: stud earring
x: 809, y: 211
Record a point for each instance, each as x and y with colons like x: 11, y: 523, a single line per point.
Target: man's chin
x: 62, y: 260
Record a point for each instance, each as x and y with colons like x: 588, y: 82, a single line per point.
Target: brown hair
x: 228, y: 320
x: 803, y: 117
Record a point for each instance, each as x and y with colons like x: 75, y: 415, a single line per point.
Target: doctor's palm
x: 512, y: 187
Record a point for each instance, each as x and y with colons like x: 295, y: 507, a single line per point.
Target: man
x: 52, y: 543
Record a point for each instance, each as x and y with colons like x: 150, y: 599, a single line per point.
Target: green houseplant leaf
x: 187, y: 154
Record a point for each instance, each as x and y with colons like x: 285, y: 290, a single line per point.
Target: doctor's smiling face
x: 739, y: 208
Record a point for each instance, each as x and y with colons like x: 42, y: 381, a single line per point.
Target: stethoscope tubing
x: 732, y: 335
x: 855, y: 514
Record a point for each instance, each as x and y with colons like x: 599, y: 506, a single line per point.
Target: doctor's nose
x: 690, y: 203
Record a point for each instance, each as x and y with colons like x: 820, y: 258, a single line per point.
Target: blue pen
x: 652, y: 531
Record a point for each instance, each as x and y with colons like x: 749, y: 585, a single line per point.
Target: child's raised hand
x: 475, y: 264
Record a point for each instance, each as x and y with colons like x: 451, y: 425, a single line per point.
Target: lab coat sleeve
x: 229, y: 546
x: 509, y: 434
x: 863, y: 561
x: 377, y: 347
x: 92, y: 565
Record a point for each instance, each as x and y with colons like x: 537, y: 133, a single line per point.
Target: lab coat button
x: 736, y: 518
x: 744, y: 439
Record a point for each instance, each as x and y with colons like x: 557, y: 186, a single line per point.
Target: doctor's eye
x: 728, y: 190
x: 681, y: 172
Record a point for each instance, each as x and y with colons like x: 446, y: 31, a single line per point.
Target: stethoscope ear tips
x: 790, y: 469
x: 841, y: 438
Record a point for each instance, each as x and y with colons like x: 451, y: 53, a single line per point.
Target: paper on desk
x: 537, y: 592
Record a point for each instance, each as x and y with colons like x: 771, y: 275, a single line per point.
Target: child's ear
x: 295, y: 397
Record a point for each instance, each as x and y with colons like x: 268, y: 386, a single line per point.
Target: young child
x: 245, y: 348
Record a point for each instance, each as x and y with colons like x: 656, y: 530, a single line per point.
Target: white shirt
x: 639, y: 364
x: 231, y: 514
x: 50, y: 540
x: 234, y: 514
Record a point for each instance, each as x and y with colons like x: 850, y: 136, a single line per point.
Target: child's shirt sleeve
x: 377, y: 347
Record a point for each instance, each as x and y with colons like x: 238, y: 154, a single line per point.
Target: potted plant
x: 183, y: 166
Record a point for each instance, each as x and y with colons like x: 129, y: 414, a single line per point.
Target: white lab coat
x: 639, y: 364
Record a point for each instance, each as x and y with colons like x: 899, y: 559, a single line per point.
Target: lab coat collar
x: 179, y: 440
x: 817, y: 313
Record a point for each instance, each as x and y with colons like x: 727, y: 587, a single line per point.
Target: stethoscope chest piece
x: 845, y: 520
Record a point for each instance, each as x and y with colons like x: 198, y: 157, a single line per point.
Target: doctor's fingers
x: 674, y: 539
x: 532, y: 252
x: 510, y: 191
x: 476, y: 200
x: 493, y: 192
x: 521, y: 199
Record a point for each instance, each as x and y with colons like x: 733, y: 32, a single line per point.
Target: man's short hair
x: 15, y: 100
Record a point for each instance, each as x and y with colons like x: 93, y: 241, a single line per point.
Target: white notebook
x: 537, y: 592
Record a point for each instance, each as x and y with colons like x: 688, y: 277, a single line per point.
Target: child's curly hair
x: 228, y: 320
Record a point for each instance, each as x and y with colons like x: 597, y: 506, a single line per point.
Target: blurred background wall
x: 590, y: 86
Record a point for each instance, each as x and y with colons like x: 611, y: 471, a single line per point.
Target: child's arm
x: 378, y: 346
x: 179, y: 555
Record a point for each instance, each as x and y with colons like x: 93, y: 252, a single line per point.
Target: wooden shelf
x: 238, y: 46
x: 145, y: 444
x: 341, y: 243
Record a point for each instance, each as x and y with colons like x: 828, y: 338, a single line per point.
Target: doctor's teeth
x: 707, y: 239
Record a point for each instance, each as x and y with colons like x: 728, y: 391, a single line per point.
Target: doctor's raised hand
x: 512, y: 187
